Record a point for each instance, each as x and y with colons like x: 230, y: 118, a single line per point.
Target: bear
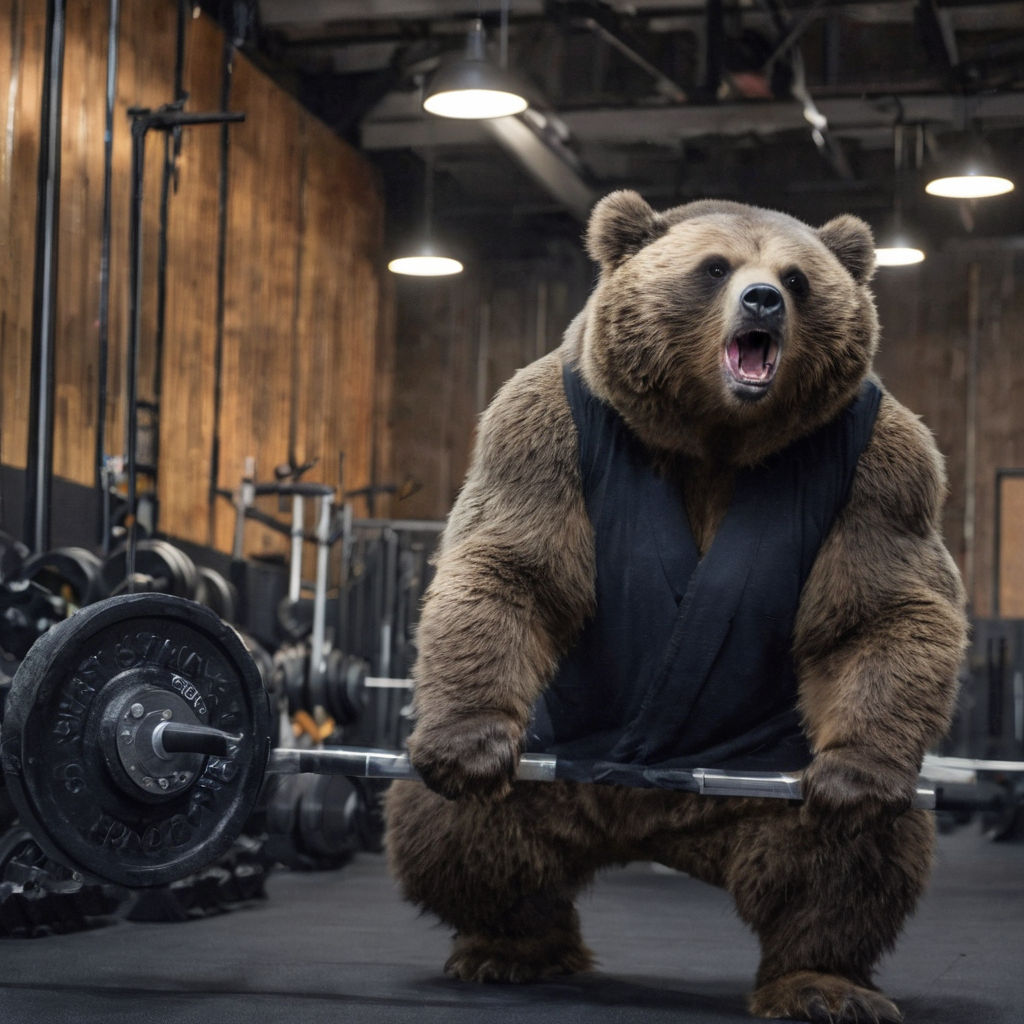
x: 699, y: 532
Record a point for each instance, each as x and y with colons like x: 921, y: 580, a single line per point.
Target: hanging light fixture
x: 970, y: 174
x: 474, y: 88
x: 425, y: 262
x: 898, y: 247
x: 897, y: 250
x: 970, y: 184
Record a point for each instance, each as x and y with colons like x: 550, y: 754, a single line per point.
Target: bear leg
x: 822, y: 999
x: 827, y: 897
x: 504, y: 873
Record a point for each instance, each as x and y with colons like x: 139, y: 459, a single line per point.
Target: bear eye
x: 796, y: 282
x: 716, y: 267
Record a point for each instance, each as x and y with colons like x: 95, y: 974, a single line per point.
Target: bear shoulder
x: 525, y: 456
x: 901, y: 477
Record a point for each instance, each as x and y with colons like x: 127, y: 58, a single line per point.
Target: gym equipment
x: 39, y: 896
x: 218, y: 593
x: 73, y: 573
x: 312, y: 822
x: 137, y: 737
x: 158, y: 566
x: 27, y: 611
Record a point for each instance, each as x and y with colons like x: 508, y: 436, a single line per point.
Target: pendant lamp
x: 424, y: 260
x: 897, y: 245
x: 474, y: 88
x: 971, y: 173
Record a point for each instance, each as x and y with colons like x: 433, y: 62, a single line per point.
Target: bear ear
x: 620, y: 225
x: 851, y: 242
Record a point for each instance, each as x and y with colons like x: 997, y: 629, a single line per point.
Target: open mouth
x: 751, y: 358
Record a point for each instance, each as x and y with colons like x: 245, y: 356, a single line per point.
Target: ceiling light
x: 896, y: 247
x: 967, y: 169
x: 969, y: 185
x: 472, y: 87
x: 425, y: 264
x: 896, y: 255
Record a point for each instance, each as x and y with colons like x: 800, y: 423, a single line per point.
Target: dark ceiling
x: 679, y: 101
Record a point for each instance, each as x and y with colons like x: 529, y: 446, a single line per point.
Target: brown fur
x: 827, y: 885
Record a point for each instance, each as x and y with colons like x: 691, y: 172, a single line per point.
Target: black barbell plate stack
x: 73, y: 573
x: 58, y: 763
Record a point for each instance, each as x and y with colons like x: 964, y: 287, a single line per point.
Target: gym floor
x: 341, y: 946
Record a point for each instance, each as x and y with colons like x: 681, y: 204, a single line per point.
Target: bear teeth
x: 752, y: 357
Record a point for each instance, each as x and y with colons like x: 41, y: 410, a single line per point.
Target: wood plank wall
x: 307, y: 320
x: 458, y: 340
x: 21, y: 66
x: 951, y: 350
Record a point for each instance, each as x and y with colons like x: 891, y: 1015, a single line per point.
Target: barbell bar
x: 137, y: 736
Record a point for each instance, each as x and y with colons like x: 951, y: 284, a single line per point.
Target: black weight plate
x: 58, y: 765
x: 327, y: 809
x: 218, y: 593
x: 73, y: 573
x: 334, y: 676
x: 187, y: 578
x: 171, y: 570
x: 292, y: 662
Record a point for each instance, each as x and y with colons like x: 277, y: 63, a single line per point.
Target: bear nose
x: 763, y: 300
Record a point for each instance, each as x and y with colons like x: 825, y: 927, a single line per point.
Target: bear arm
x: 881, y: 629
x: 514, y: 584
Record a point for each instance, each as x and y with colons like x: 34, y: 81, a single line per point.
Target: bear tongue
x: 748, y: 356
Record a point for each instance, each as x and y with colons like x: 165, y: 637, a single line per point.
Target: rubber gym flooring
x: 341, y: 947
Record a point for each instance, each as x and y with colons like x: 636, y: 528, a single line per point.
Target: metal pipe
x: 103, y: 332
x: 139, y: 129
x: 222, y: 233
x: 295, y: 559
x: 39, y: 475
x: 323, y: 548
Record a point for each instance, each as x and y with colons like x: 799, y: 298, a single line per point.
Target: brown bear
x: 700, y: 532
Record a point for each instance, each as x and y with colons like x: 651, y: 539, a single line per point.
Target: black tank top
x: 687, y: 661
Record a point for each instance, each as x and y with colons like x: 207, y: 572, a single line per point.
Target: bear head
x: 725, y: 331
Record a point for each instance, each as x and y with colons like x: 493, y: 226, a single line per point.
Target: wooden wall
x: 458, y: 340
x: 307, y: 319
x: 951, y: 350
x: 21, y: 83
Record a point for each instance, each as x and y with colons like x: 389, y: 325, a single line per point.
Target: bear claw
x: 513, y: 962
x: 822, y: 999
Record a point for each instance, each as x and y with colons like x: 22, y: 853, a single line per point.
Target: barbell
x: 137, y: 736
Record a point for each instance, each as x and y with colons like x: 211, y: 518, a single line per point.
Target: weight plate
x: 218, y: 593
x: 327, y: 810
x: 292, y: 664
x: 62, y: 764
x: 75, y: 574
x: 169, y: 568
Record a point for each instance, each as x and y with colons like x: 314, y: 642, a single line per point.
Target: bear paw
x: 822, y: 999
x: 475, y: 756
x: 515, y: 961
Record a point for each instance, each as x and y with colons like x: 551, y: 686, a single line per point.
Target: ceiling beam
x: 545, y: 162
x: 669, y: 125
